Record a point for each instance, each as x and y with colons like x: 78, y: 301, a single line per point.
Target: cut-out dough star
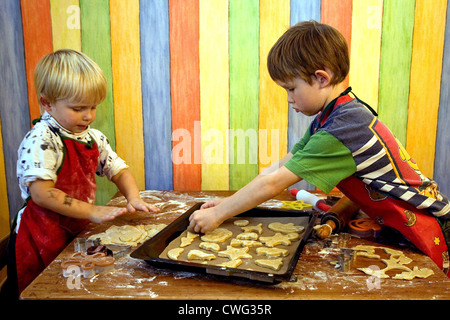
x: 233, y: 253
x: 275, y: 240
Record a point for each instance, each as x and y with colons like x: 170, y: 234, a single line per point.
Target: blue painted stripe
x: 442, y: 150
x: 156, y: 103
x: 14, y: 111
x: 301, y: 10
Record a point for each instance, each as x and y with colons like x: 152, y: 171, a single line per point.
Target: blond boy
x: 57, y: 163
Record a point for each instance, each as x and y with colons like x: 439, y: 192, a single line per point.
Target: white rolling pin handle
x: 318, y: 203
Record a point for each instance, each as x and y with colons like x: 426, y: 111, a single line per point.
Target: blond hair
x: 69, y: 74
x: 307, y: 47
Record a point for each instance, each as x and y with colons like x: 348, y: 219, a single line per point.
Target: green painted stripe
x: 395, y: 65
x: 244, y: 90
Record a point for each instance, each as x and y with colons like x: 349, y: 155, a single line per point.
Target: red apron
x: 418, y: 226
x: 43, y: 233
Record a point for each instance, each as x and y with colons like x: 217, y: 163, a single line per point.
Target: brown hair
x: 307, y: 47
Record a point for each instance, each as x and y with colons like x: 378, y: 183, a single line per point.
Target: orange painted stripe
x: 338, y: 14
x: 185, y: 93
x: 37, y: 38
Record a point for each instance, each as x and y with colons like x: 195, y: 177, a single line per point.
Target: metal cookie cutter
x: 345, y: 259
x: 82, y: 244
x: 296, y: 205
x: 89, y: 264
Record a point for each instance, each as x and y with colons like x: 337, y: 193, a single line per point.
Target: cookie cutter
x: 295, y: 205
x: 82, y: 244
x: 364, y: 227
x: 345, y: 259
x: 89, y: 264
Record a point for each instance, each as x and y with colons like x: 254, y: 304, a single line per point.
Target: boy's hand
x: 101, y: 214
x: 204, y: 220
x: 139, y: 204
x: 211, y: 203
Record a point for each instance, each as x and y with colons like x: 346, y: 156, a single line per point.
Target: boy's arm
x: 44, y: 194
x: 269, y: 170
x: 260, y: 189
x: 126, y: 184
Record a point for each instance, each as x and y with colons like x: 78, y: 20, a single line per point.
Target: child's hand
x: 204, y: 220
x: 139, y: 204
x: 103, y: 213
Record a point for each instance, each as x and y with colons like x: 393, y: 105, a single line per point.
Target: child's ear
x: 45, y: 103
x: 323, y: 78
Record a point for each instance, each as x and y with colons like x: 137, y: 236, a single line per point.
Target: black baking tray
x: 152, y: 248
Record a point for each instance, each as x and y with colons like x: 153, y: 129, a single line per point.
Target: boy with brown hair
x: 346, y: 146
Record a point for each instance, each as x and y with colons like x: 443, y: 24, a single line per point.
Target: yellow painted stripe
x: 126, y: 68
x: 65, y: 16
x: 273, y: 106
x: 4, y: 212
x: 365, y: 47
x: 214, y: 93
x: 426, y: 65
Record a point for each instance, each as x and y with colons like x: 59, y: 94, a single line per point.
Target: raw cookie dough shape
x: 210, y: 246
x: 241, y: 223
x: 257, y: 228
x: 233, y: 253
x: 274, y: 264
x: 285, y: 227
x: 217, y: 235
x: 247, y: 236
x: 200, y: 255
x: 175, y: 253
x: 397, y: 260
x: 185, y: 241
x: 231, y: 263
x: 245, y: 243
x: 128, y: 234
x: 276, y: 240
x: 272, y: 252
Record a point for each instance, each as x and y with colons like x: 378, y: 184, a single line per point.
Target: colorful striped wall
x: 190, y: 104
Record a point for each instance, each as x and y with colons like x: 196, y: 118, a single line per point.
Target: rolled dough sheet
x: 247, y: 264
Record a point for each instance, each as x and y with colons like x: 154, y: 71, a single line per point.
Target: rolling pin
x: 336, y: 218
x: 318, y: 203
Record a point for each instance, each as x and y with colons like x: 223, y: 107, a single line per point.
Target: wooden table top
x: 315, y: 276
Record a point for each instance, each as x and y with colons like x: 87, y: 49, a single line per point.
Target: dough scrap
x: 217, y: 235
x: 397, y: 260
x: 416, y: 272
x: 175, y: 253
x: 274, y: 264
x: 210, y: 246
x: 285, y: 227
x: 275, y: 240
x: 200, y: 255
x: 245, y: 243
x: 257, y: 228
x: 272, y: 252
x: 247, y: 236
x: 241, y: 223
x: 190, y: 236
x: 128, y: 234
x: 235, y: 253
